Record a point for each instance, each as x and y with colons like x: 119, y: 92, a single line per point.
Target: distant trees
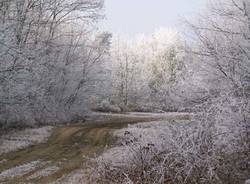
x: 163, y: 68
x: 48, y: 51
x: 123, y: 66
x: 145, y: 68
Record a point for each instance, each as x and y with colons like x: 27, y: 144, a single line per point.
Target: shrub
x: 213, y: 148
x: 106, y: 106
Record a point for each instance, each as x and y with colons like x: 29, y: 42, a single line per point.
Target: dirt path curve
x: 67, y: 146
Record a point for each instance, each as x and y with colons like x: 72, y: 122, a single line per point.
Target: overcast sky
x: 144, y: 16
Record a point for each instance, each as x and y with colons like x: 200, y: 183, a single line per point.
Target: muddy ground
x: 67, y: 147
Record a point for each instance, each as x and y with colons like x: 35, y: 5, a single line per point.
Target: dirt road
x: 66, y: 148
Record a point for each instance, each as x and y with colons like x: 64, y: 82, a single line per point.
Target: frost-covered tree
x: 223, y: 46
x: 145, y: 68
x: 48, y: 51
x: 163, y: 67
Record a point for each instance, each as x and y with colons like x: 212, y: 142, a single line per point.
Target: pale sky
x: 144, y: 16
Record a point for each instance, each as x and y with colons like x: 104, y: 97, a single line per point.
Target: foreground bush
x: 214, y: 148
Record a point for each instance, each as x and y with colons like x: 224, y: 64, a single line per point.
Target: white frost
x: 23, y: 138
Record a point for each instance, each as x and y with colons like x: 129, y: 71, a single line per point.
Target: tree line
x: 56, y: 65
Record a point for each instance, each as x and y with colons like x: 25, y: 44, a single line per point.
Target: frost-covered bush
x: 213, y: 148
x: 106, y: 106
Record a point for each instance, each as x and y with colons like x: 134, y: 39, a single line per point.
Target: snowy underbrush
x: 20, y: 170
x: 18, y: 139
x: 212, y: 148
x: 23, y: 118
x: 106, y: 106
x: 115, y: 107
